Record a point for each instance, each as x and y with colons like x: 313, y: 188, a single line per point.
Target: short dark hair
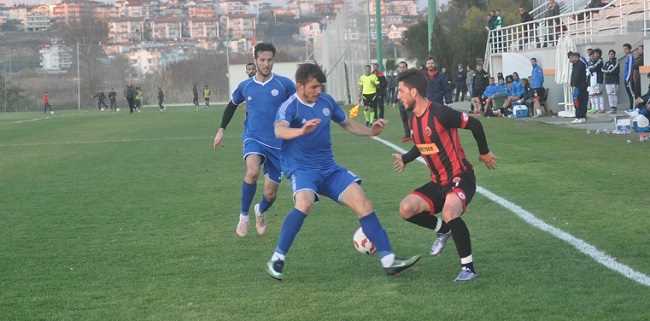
x: 263, y: 46
x: 628, y: 46
x: 414, y: 78
x: 612, y: 51
x: 307, y: 71
x: 405, y: 63
x: 430, y: 58
x: 535, y: 59
x: 250, y: 64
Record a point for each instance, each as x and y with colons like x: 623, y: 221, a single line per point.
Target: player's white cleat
x: 260, y: 222
x: 439, y: 243
x: 242, y: 227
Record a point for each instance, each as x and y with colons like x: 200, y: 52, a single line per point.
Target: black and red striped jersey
x: 435, y: 134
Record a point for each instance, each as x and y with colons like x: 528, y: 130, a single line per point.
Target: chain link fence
x: 74, y: 73
x: 343, y: 50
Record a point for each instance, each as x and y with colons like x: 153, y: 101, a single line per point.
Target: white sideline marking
x: 108, y: 141
x: 582, y: 246
x: 28, y: 120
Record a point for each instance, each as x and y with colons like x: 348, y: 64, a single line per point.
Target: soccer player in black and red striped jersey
x: 452, y: 186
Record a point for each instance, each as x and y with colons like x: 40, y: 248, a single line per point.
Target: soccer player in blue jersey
x: 303, y: 123
x: 263, y: 94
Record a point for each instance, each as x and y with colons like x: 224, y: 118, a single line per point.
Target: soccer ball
x: 362, y: 243
x: 117, y: 109
x: 51, y: 112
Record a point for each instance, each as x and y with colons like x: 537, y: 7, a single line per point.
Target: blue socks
x: 373, y: 230
x: 247, y: 194
x: 290, y: 228
x: 265, y: 205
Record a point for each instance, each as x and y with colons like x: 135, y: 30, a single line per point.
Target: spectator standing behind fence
x: 161, y: 99
x: 461, y: 83
x: 130, y: 97
x: 595, y: 73
x: 628, y: 65
x: 637, y: 54
x: 381, y: 90
x: 195, y: 97
x: 139, y: 94
x: 404, y: 114
x: 112, y: 99
x: 479, y: 83
x: 46, y: 102
x: 469, y: 80
x: 436, y: 83
x: 206, y: 95
x: 554, y: 27
x: 450, y: 86
x: 525, y: 17
x: 537, y: 85
x: 611, y: 72
x: 579, y: 84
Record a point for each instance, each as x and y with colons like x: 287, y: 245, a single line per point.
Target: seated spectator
x: 493, y: 92
x: 515, y: 90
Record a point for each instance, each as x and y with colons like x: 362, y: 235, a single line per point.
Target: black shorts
x: 369, y: 100
x: 463, y: 186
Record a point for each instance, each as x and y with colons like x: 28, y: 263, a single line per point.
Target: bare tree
x: 89, y: 34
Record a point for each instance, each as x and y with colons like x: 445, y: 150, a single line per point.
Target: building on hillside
x: 126, y: 30
x: 203, y: 28
x: 234, y: 7
x: 72, y: 10
x: 18, y: 13
x: 55, y: 57
x: 201, y: 12
x: 166, y: 28
x: 239, y: 26
x: 38, y: 18
x: 105, y: 12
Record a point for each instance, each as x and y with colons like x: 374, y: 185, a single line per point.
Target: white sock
x: 387, y: 260
x: 243, y: 218
x: 277, y: 256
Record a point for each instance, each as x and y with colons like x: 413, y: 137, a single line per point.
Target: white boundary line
x: 582, y: 246
x: 109, y: 141
x: 28, y: 120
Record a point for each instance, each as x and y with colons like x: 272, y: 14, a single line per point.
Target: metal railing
x: 545, y: 33
x: 568, y: 6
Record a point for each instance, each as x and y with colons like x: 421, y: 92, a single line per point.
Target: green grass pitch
x: 111, y: 216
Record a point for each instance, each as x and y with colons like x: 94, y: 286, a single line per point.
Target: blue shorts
x: 331, y: 183
x: 270, y: 158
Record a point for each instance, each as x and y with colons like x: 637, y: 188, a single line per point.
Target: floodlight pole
x: 380, y: 40
x: 432, y: 8
x: 78, y: 80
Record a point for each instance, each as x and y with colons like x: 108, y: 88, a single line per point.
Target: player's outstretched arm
x: 486, y: 156
x: 283, y: 131
x: 225, y: 120
x: 400, y: 160
x: 356, y: 128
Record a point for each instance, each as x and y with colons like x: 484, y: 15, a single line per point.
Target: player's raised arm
x: 356, y: 128
x: 451, y: 118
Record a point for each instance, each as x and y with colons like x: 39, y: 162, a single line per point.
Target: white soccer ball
x: 117, y: 109
x: 51, y: 112
x: 362, y: 243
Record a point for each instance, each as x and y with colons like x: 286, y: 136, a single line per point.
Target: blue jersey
x: 314, y: 150
x: 262, y: 103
